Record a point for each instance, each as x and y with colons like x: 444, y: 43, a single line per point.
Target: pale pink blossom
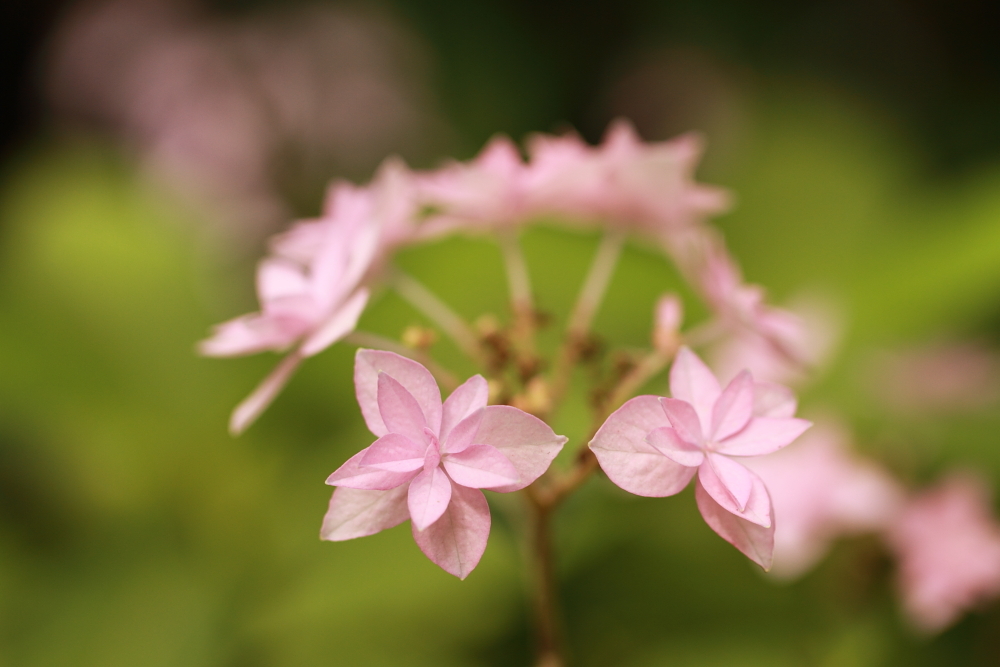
x: 431, y: 460
x: 653, y: 446
x: 667, y: 318
x: 820, y: 492
x: 624, y: 182
x: 948, y: 545
x: 312, y: 292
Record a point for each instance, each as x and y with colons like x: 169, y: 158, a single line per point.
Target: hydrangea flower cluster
x: 431, y: 460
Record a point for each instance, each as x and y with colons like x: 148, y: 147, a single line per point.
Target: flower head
x: 431, y: 459
x: 653, y: 447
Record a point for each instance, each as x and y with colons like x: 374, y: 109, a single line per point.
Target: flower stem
x: 595, y: 285
x: 549, y: 648
x: 440, y: 313
x: 521, y: 302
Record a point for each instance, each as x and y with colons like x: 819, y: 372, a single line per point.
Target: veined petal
x: 525, y: 440
x: 773, y: 400
x: 357, y: 513
x: 692, y: 381
x: 734, y: 408
x: 430, y: 492
x: 469, y: 397
x: 763, y: 435
x: 457, y: 540
x: 756, y: 506
x: 684, y: 419
x: 675, y: 448
x: 754, y: 540
x: 415, y: 378
x: 481, y: 467
x: 399, y: 409
x: 631, y: 462
x: 253, y: 405
x: 463, y: 434
x: 342, y: 322
x: 395, y: 453
x: 355, y: 476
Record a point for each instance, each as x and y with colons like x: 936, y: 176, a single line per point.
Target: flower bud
x: 667, y: 322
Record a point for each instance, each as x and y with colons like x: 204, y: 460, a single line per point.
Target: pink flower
x: 821, y: 491
x: 313, y: 288
x: 431, y: 460
x: 948, y: 544
x: 653, y: 447
x: 648, y: 187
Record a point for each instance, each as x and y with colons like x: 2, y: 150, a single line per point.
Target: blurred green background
x: 861, y: 141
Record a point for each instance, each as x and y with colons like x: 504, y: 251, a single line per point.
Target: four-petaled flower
x: 653, y: 446
x: 431, y: 460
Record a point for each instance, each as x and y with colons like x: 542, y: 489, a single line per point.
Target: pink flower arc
x: 653, y: 447
x: 431, y: 460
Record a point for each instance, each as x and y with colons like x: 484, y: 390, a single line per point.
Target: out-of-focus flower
x: 624, y: 182
x: 948, y: 545
x: 654, y: 446
x: 314, y: 288
x: 821, y: 491
x: 943, y: 377
x: 431, y: 460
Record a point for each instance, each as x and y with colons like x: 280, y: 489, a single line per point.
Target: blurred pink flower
x: 821, y: 491
x: 948, y: 545
x: 625, y: 182
x: 431, y: 460
x: 654, y: 446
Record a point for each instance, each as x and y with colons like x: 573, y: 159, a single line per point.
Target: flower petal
x: 763, y: 435
x: 734, y: 408
x: 675, y: 448
x: 773, y: 400
x: 357, y: 513
x: 457, y: 540
x: 463, y: 434
x: 395, y: 453
x: 692, y: 381
x: 754, y: 540
x: 399, y: 409
x: 525, y: 440
x: 481, y: 467
x: 340, y: 323
x: 253, y: 405
x: 471, y: 396
x: 736, y: 489
x: 430, y: 492
x: 684, y: 419
x: 415, y: 378
x: 355, y: 476
x: 631, y: 462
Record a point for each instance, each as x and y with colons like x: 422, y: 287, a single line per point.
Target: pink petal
x: 463, y: 434
x: 355, y: 476
x: 736, y: 489
x: 471, y: 396
x: 684, y: 419
x: 773, y: 400
x: 415, y: 378
x: 430, y: 492
x: 526, y: 441
x: 395, y: 453
x: 671, y: 445
x: 631, y: 462
x: 763, y: 435
x: 254, y: 404
x: 277, y: 278
x: 481, y: 467
x: 754, y: 540
x: 692, y: 381
x: 342, y: 322
x: 457, y: 540
x: 357, y: 513
x: 734, y: 408
x: 250, y: 334
x: 399, y: 409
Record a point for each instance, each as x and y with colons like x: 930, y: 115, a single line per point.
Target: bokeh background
x: 150, y: 146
